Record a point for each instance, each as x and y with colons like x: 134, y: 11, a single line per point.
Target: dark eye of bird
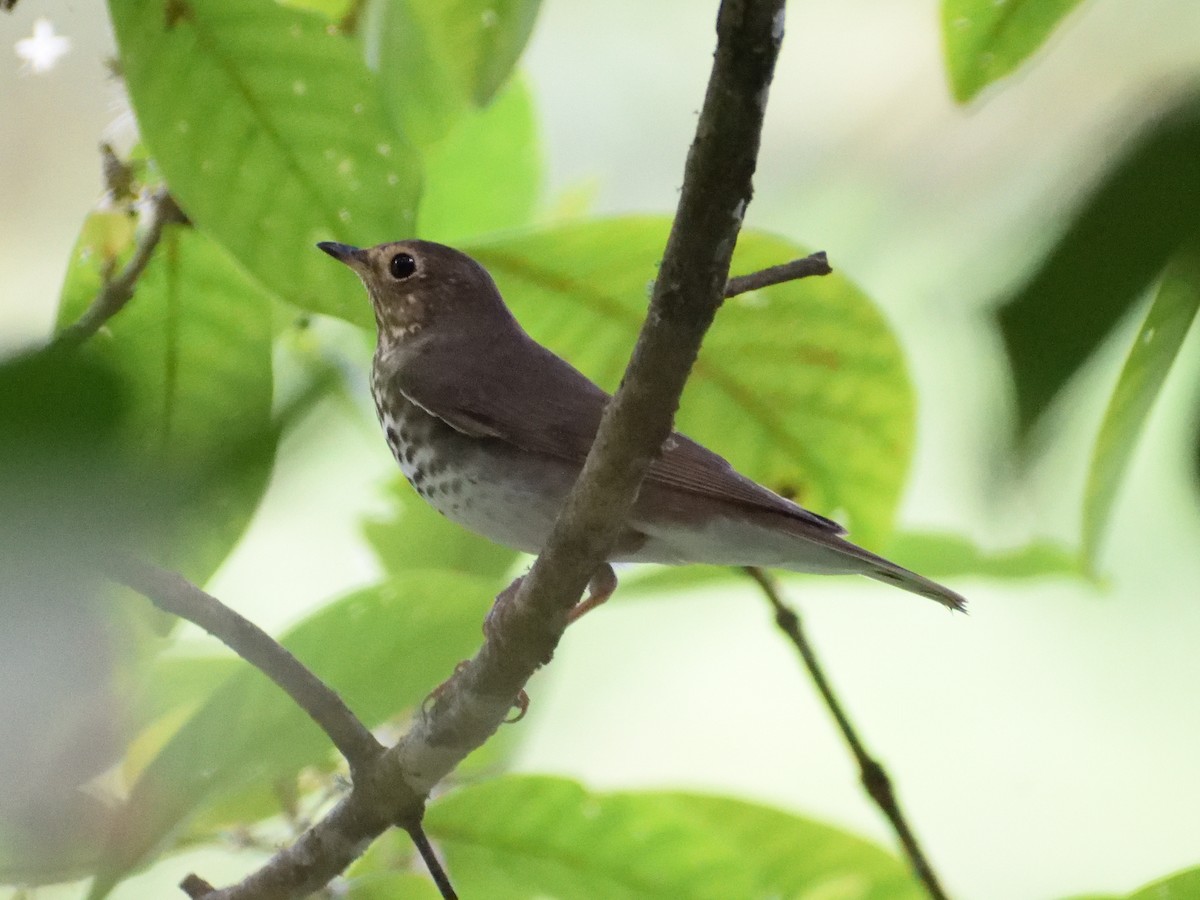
x: 401, y: 266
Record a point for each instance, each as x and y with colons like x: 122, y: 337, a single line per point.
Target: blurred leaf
x: 193, y: 350
x: 389, y: 886
x: 1146, y: 367
x: 172, y: 682
x: 986, y: 39
x: 417, y: 537
x: 1115, y: 247
x: 69, y: 499
x: 526, y: 837
x: 463, y: 197
x: 937, y: 555
x: 269, y: 129
x: 437, y: 60
x: 801, y: 386
x: 333, y: 10
x: 1180, y: 886
x: 383, y: 649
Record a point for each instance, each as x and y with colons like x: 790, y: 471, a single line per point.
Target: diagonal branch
x: 175, y: 594
x: 874, y: 777
x: 687, y: 293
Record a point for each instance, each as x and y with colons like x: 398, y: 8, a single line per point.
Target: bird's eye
x: 401, y: 266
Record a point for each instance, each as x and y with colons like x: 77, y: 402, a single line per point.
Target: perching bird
x: 492, y: 430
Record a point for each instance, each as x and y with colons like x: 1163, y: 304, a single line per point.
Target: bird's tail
x: 890, y: 573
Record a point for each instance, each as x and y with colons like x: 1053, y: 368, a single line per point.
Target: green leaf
x: 193, y: 351
x: 463, y: 197
x: 801, y: 386
x: 987, y: 39
x: 390, y: 886
x: 415, y: 537
x: 937, y: 555
x: 448, y: 56
x: 1146, y: 367
x: 524, y: 837
x: 1180, y: 886
x: 382, y: 649
x: 269, y: 129
x: 1117, y: 245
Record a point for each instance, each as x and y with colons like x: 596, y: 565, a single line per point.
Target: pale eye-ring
x: 401, y: 266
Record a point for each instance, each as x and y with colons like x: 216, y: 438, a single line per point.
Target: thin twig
x: 116, y: 291
x: 813, y: 264
x: 196, y: 887
x: 432, y: 863
x: 874, y: 778
x: 177, y: 595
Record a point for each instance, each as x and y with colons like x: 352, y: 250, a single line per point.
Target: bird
x: 492, y: 429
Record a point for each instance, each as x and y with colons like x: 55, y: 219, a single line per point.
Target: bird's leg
x: 600, y: 588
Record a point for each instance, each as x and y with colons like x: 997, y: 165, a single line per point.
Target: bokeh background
x: 1043, y: 746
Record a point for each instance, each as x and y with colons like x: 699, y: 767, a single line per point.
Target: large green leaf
x: 1146, y: 367
x: 802, y: 386
x: 1116, y: 246
x: 987, y: 39
x: 438, y: 60
x: 463, y: 196
x: 383, y: 649
x: 193, y: 351
x: 269, y: 128
x: 526, y: 837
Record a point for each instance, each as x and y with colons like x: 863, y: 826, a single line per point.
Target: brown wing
x: 521, y: 393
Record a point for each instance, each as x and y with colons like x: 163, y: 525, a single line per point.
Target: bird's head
x: 416, y: 285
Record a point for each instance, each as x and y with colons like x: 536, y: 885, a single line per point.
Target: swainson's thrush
x: 492, y: 429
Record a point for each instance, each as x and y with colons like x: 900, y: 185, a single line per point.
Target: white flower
x: 42, y: 51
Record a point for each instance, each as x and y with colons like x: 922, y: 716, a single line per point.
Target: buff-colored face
x: 413, y: 282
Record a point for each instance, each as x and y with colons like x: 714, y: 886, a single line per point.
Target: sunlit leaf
x: 464, y: 197
x: 269, y: 129
x: 438, y: 60
x: 801, y: 386
x: 1146, y: 367
x: 382, y: 649
x: 987, y: 39
x: 524, y: 837
x: 1115, y: 247
x: 193, y: 350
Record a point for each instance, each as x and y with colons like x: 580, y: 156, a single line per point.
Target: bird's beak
x: 351, y: 256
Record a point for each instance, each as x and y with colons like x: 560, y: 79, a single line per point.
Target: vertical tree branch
x: 874, y: 777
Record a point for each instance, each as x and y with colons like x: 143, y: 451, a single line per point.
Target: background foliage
x: 276, y: 125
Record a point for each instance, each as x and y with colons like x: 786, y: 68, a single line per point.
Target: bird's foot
x: 520, y: 702
x: 600, y: 588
